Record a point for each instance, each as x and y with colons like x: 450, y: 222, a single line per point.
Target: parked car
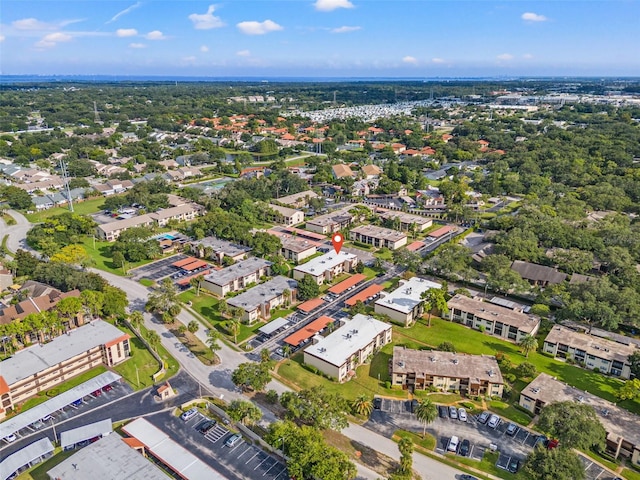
x: 192, y: 412
x: 494, y: 421
x: 377, y: 403
x: 464, y: 476
x: 453, y: 413
x: 484, y: 416
x: 462, y: 415
x: 453, y: 444
x: 207, y: 425
x: 107, y: 388
x: 10, y: 438
x: 97, y: 393
x: 233, y: 440
x: 443, y: 412
x: 465, y: 446
x: 512, y: 429
x: 414, y: 405
x: 514, y: 465
x: 77, y: 403
x: 46, y: 418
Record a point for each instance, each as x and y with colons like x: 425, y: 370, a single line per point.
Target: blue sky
x: 329, y: 38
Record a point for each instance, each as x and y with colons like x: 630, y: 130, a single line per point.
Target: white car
x: 462, y: 415
x: 494, y: 421
x: 10, y: 438
x: 189, y: 414
x: 453, y: 444
x: 453, y: 413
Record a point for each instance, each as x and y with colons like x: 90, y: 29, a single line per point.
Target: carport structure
x: 309, y: 331
x: 25, y: 457
x: 274, y: 326
x: 370, y: 291
x: 310, y: 305
x: 183, y: 282
x: 69, y: 438
x: 183, y: 262
x: 189, y: 267
x: 346, y: 284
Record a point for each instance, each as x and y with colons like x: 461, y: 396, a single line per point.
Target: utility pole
x: 137, y: 375
x: 65, y: 179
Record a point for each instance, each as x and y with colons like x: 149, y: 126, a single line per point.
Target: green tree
x: 575, y: 425
x: 544, y: 464
x: 153, y: 338
x: 316, y: 407
x: 447, y: 347
x: 251, y: 376
x: 164, y: 299
x: 136, y: 319
x: 526, y: 370
x: 213, y: 340
x: 115, y: 302
x: 434, y: 298
x: 499, y: 275
x: 308, y: 288
x: 426, y: 412
x: 634, y: 363
x: 193, y: 326
x: 362, y: 405
x: 405, y: 445
x: 244, y: 412
x: 630, y: 390
x: 528, y: 344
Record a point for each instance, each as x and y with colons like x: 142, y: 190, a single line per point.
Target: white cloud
x: 204, y: 49
x: 527, y: 56
x: 409, y: 59
x: 533, y: 17
x: 31, y: 24
x: 437, y: 60
x: 155, y: 35
x: 505, y: 56
x: 206, y: 21
x: 126, y: 32
x: 258, y: 28
x: 189, y: 59
x: 2, y: 37
x: 137, y: 45
x: 124, y: 12
x: 243, y: 53
x: 329, y: 5
x: 51, y: 39
x: 345, y: 29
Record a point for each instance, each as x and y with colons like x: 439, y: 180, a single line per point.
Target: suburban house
x: 593, y: 352
x: 6, y: 278
x: 406, y: 221
x: 371, y: 171
x: 259, y: 301
x: 379, y: 237
x: 622, y: 426
x: 510, y: 324
x: 111, y: 187
x: 298, y: 200
x: 286, y: 216
x: 40, y: 367
x: 342, y: 351
x: 538, y: 275
x: 342, y: 171
x: 237, y: 276
x: 473, y: 375
x: 216, y: 249
x: 326, y: 267
x: 405, y: 304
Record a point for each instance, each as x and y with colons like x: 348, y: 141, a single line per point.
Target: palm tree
x: 153, y: 339
x: 362, y: 405
x: 136, y: 319
x: 286, y: 350
x: 234, y: 328
x: 528, y: 344
x: 223, y: 307
x: 406, y: 454
x: 193, y: 326
x: 426, y: 412
x: 213, y: 336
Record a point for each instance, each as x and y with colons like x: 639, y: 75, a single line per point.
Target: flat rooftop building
x: 326, y: 267
x: 379, y: 237
x: 257, y: 302
x: 342, y: 351
x: 295, y: 248
x: 622, y: 426
x: 406, y: 220
x: 404, y: 304
x: 220, y: 248
x: 237, y: 276
x: 298, y: 200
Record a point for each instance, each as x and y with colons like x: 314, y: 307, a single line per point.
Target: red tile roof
x: 364, y: 294
x: 347, y: 283
x: 194, y: 265
x: 415, y: 246
x: 310, y: 304
x: 441, y: 231
x: 117, y: 340
x: 308, y: 331
x: 183, y: 262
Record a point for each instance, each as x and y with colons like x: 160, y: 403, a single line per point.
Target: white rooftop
x: 110, y: 458
x: 39, y: 357
x: 237, y: 270
x: 23, y: 456
x: 407, y: 295
x: 69, y: 438
x: 353, y: 336
x: 319, y: 265
x: 171, y: 453
x: 276, y: 324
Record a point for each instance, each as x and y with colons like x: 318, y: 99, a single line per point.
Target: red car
x: 107, y: 388
x: 97, y: 393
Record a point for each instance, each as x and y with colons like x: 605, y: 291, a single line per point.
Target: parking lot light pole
x: 55, y: 436
x: 282, y: 438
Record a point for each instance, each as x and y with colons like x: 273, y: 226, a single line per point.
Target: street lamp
x: 282, y: 439
x: 53, y: 425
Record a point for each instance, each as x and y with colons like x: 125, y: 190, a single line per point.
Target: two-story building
x: 326, y: 267
x: 447, y: 371
x: 237, y: 276
x: 406, y: 221
x: 506, y: 323
x: 286, y: 216
x: 379, y: 237
x: 259, y: 301
x: 330, y: 223
x: 342, y: 351
x: 216, y: 249
x: 593, y: 352
x: 405, y: 304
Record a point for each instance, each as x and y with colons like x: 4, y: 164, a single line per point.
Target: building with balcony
x: 405, y: 304
x: 237, y: 276
x: 259, y: 301
x: 326, y: 267
x: 379, y: 237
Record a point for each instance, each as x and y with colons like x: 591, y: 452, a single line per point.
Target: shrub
x: 272, y: 396
x: 387, y: 384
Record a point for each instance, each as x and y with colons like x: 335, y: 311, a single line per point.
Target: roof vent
x: 455, y: 361
x: 433, y: 359
x: 535, y: 390
x: 401, y: 364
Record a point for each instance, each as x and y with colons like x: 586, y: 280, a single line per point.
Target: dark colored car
x: 514, y: 465
x: 484, y: 416
x: 377, y: 403
x: 204, y: 427
x: 465, y: 446
x: 414, y: 405
x: 443, y: 412
x: 107, y: 388
x: 464, y: 476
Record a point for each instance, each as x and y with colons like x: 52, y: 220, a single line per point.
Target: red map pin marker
x: 337, y: 241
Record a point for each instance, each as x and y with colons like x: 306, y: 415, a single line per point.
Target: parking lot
x: 594, y: 471
x: 157, y: 270
x: 241, y: 461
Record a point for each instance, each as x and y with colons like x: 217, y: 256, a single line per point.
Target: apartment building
x: 296, y: 249
x: 406, y: 221
x: 298, y: 200
x: 330, y: 223
x: 326, y: 267
x: 216, y: 249
x: 40, y: 367
x: 405, y: 304
x: 593, y: 352
x: 622, y: 426
x: 378, y: 237
x: 341, y: 352
x: 467, y: 374
x: 237, y: 276
x: 496, y: 320
x: 259, y: 301
x: 286, y: 216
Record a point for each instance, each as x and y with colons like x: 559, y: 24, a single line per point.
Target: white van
x: 453, y: 444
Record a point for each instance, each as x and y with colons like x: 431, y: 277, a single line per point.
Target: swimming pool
x: 166, y: 236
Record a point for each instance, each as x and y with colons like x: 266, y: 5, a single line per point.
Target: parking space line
x: 525, y: 438
x: 284, y: 471
x: 248, y: 448
x: 276, y: 463
x: 598, y: 476
x: 255, y: 455
x: 238, y: 446
x: 256, y: 467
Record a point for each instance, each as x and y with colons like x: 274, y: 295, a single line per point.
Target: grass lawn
x: 630, y: 474
x: 384, y: 255
x: 8, y: 219
x: 146, y: 282
x: 195, y: 346
x: 474, y: 342
x: 40, y: 471
x: 511, y: 412
x: 427, y: 443
x: 101, y: 256
x: 488, y: 464
x: 92, y: 205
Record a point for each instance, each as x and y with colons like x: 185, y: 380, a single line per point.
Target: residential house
x: 342, y: 171
x: 286, y: 216
x: 538, y: 275
x: 371, y: 171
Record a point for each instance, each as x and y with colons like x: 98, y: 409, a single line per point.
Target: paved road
x: 17, y: 233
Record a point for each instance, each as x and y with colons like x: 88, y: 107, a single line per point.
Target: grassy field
x: 630, y: 474
x: 39, y: 472
x: 92, y: 205
x: 488, y: 464
x: 193, y: 343
x: 428, y: 442
x: 8, y: 219
x: 101, y: 256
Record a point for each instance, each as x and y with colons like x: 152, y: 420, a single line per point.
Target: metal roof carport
x: 32, y: 452
x: 276, y: 324
x: 86, y: 432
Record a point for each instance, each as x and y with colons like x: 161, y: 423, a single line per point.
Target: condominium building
x: 330, y: 223
x: 216, y: 249
x: 593, y: 352
x: 406, y: 221
x: 378, y: 237
x: 286, y: 216
x: 237, y: 276
x: 622, y: 426
x: 405, y: 304
x: 467, y: 374
x: 341, y: 352
x: 298, y: 200
x: 326, y: 267
x: 496, y: 320
x: 40, y: 367
x: 295, y: 248
x: 259, y: 301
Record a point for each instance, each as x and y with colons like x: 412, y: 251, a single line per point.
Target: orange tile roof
x: 364, y: 294
x: 183, y: 262
x: 441, y: 231
x: 4, y: 388
x: 117, y: 340
x: 194, y: 265
x: 309, y: 331
x: 415, y: 246
x: 310, y: 304
x: 133, y: 442
x: 349, y: 282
